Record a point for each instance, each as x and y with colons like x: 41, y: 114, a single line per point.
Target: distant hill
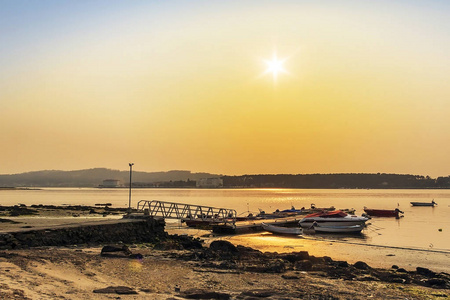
x: 93, y: 177
x: 177, y: 178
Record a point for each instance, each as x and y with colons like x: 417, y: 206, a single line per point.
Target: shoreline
x: 178, y: 266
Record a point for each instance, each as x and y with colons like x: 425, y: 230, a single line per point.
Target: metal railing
x: 183, y: 211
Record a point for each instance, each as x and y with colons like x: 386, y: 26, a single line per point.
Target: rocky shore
x: 75, y: 263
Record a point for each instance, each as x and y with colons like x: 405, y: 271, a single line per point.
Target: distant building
x: 110, y: 183
x: 209, y: 183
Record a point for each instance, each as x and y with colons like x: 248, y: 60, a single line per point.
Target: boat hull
x: 339, y: 229
x: 382, y: 212
x: 423, y: 204
x: 338, y: 221
x: 282, y: 230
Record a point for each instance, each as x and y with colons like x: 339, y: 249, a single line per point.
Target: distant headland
x: 186, y: 179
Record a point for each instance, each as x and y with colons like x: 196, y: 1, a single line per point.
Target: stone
x: 303, y: 265
x: 361, y: 265
x: 205, y: 294
x: 425, y: 272
x: 224, y: 246
x: 121, y: 290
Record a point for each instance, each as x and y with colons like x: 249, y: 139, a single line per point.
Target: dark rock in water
x: 224, y: 246
x: 121, y: 290
x: 394, y: 267
x: 203, y: 294
x: 20, y: 211
x: 361, y: 265
x: 401, y: 270
x: 425, y: 272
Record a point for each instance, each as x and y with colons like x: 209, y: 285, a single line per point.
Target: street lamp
x: 129, y: 200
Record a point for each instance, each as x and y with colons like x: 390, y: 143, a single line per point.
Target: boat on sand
x: 282, y: 230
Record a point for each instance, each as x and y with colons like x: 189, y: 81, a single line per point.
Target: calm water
x: 421, y: 227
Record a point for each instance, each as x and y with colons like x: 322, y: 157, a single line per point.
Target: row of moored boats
x: 338, y: 221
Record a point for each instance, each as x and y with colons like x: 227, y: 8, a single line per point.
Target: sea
x: 424, y: 228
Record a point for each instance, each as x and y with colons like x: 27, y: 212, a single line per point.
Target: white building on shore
x: 110, y: 183
x: 209, y: 183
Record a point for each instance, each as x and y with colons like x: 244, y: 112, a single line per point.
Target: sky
x: 226, y: 87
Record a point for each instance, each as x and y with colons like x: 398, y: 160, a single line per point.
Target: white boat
x: 282, y: 230
x: 332, y: 218
x: 338, y: 229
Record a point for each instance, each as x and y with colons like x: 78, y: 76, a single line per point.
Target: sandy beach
x: 80, y: 272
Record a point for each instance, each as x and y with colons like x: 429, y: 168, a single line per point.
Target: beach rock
x: 361, y: 265
x: 295, y: 256
x: 438, y: 283
x: 275, y: 266
x: 303, y: 265
x: 204, y: 294
x: 121, y: 290
x: 224, y: 246
x: 114, y: 249
x: 290, y: 276
x: 259, y: 293
x: 366, y: 278
x: 425, y: 272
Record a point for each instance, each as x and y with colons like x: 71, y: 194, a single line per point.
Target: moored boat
x: 332, y: 218
x: 282, y: 230
x: 383, y: 212
x: 432, y: 203
x: 339, y: 229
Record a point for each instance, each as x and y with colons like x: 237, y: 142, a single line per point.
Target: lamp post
x: 129, y: 200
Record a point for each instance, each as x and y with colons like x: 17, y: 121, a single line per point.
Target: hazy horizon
x: 254, y: 87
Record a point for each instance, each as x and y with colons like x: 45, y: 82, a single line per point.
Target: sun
x: 275, y: 66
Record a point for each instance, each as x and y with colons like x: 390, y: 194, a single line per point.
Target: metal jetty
x: 183, y: 211
x: 220, y: 220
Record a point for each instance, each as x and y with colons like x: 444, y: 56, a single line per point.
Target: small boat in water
x: 339, y: 229
x: 332, y: 218
x: 383, y: 212
x: 432, y: 203
x: 282, y: 230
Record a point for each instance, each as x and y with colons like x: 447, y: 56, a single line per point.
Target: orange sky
x: 181, y: 85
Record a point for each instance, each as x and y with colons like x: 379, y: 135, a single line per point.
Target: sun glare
x: 275, y: 66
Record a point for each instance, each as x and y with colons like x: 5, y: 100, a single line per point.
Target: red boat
x: 383, y: 212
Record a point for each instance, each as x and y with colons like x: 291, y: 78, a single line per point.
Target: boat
x: 332, y: 218
x: 282, y: 230
x: 338, y: 229
x: 432, y: 203
x: 383, y: 212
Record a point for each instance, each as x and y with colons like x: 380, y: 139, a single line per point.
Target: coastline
x: 261, y: 266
